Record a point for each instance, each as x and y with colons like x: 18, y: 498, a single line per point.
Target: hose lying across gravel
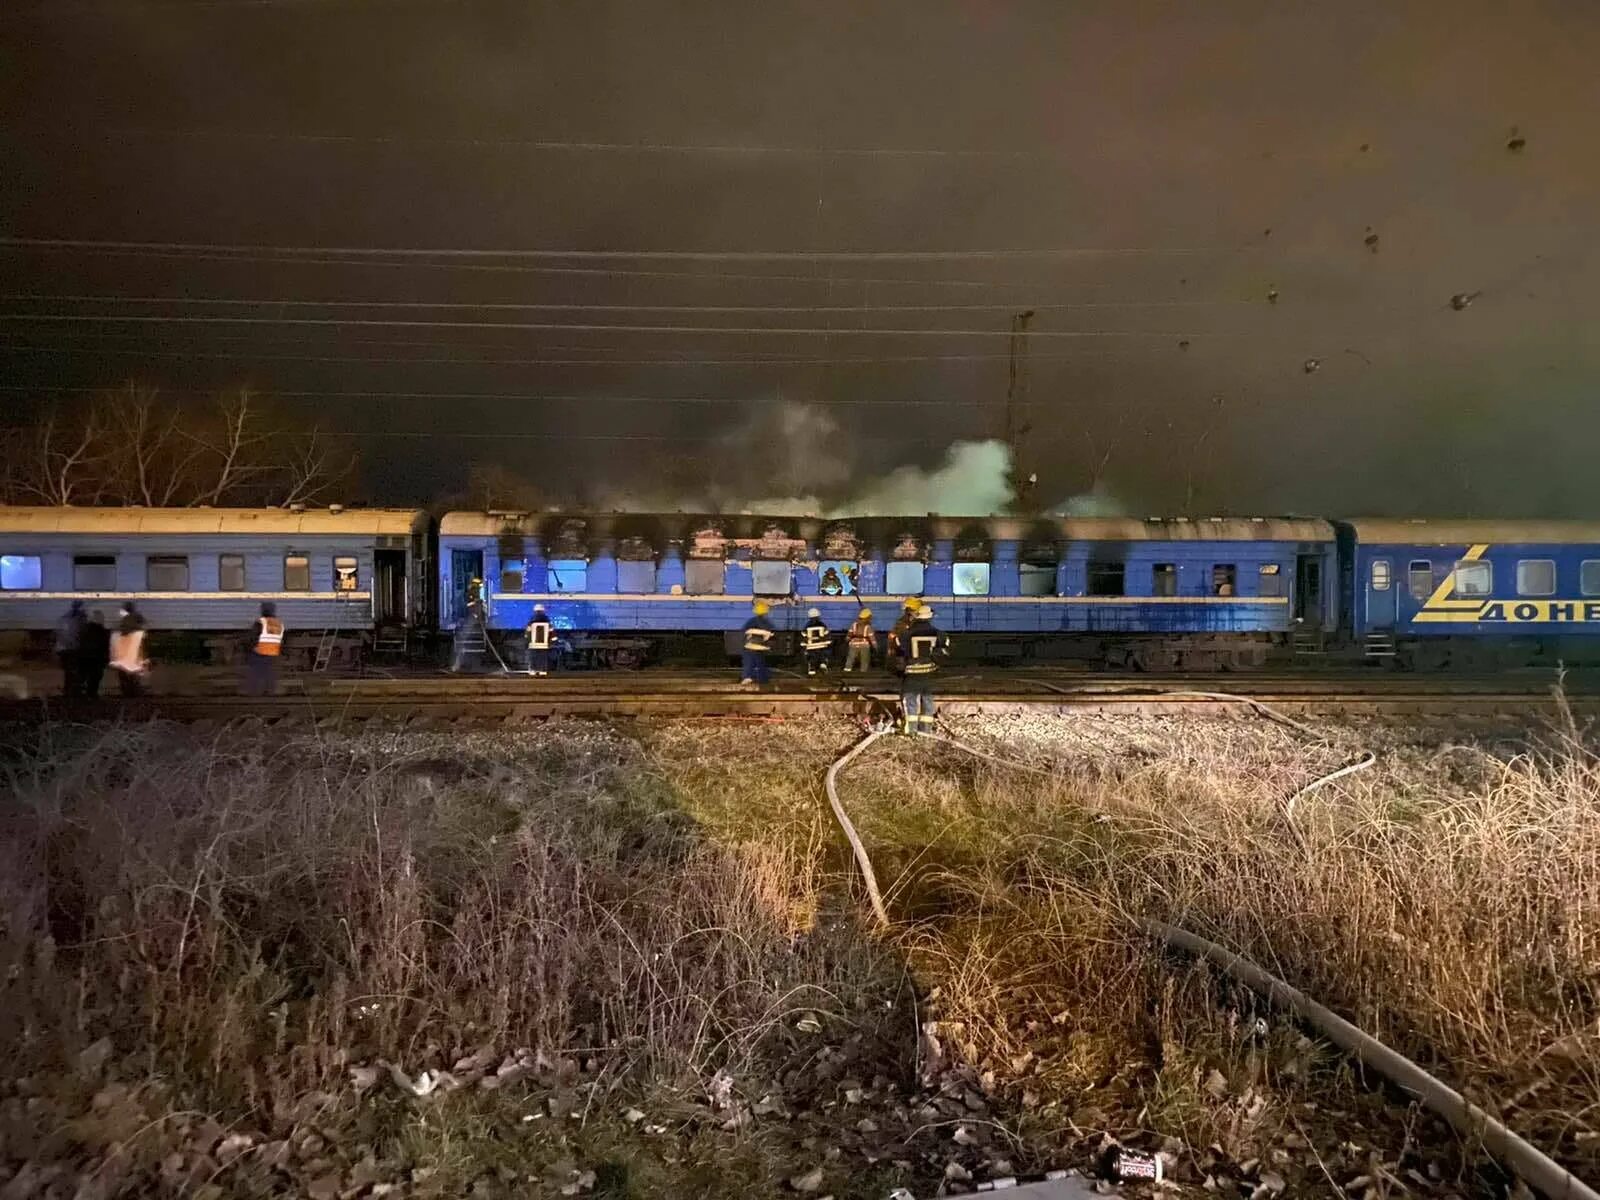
x: 1531, y: 1164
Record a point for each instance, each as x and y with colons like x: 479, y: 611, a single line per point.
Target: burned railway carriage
x: 355, y: 574
x: 1159, y: 594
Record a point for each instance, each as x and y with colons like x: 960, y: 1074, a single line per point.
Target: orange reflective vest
x: 270, y: 641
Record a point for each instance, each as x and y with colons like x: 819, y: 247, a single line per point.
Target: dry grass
x: 246, y: 919
x: 651, y: 910
x: 1448, y: 901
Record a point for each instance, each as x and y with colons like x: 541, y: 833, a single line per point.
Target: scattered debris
x: 1313, y: 365
x: 1272, y: 295
x: 808, y: 1024
x: 1183, y: 343
x: 1461, y: 299
x: 1516, y: 141
x: 811, y: 1181
x: 1371, y: 240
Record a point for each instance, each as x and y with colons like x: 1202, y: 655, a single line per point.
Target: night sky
x: 1143, y: 175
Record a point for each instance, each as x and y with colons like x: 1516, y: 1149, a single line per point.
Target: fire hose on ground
x: 1531, y: 1164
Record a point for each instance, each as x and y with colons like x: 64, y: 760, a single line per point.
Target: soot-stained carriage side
x: 1155, y: 594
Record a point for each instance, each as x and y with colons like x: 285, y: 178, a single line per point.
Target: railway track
x: 514, y: 699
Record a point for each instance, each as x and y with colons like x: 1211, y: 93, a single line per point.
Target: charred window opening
x: 769, y: 578
x: 970, y: 579
x: 513, y: 572
x: 704, y: 577
x: 1107, y: 578
x: 837, y: 577
x: 636, y: 577
x: 1269, y: 580
x: 903, y: 578
x: 569, y: 574
x: 1164, y: 579
x: 1037, y: 579
x: 1224, y: 579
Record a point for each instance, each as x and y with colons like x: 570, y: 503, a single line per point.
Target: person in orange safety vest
x: 266, y: 647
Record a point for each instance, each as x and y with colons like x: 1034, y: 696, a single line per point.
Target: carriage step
x: 1380, y: 645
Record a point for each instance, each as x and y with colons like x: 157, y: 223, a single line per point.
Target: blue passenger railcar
x: 1160, y: 593
x: 200, y: 569
x: 1474, y: 593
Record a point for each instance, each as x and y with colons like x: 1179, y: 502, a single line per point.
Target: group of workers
x: 86, y: 648
x: 915, y: 647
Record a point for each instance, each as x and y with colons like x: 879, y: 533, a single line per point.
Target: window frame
x: 1048, y: 573
x: 223, y: 565
x: 1228, y: 575
x: 1414, y: 568
x: 637, y: 564
x: 1274, y: 572
x: 166, y: 560
x: 304, y: 564
x: 1163, y: 571
x: 1380, y: 567
x: 1555, y: 575
x: 759, y: 587
x: 1472, y: 565
x: 706, y: 565
x: 510, y: 567
x: 1099, y: 572
x: 38, y: 574
x: 572, y: 567
x: 904, y: 564
x: 94, y: 561
x: 849, y: 572
x: 1583, y: 569
x: 355, y: 573
x: 987, y: 575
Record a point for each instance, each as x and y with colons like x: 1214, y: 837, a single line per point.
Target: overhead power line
x: 322, y: 260
x: 647, y: 255
x: 533, y: 397
x: 532, y: 326
x: 388, y: 361
x: 519, y: 306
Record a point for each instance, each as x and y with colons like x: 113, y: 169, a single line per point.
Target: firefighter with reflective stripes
x: 924, y: 646
x: 859, y: 642
x: 816, y: 641
x: 541, y: 637
x: 266, y: 647
x: 897, y: 635
x: 758, y: 635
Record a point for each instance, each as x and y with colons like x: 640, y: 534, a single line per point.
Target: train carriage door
x: 1380, y: 594
x: 388, y: 586
x: 1308, y: 589
x: 465, y: 566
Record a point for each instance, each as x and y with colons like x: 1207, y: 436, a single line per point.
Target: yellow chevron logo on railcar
x: 1445, y: 608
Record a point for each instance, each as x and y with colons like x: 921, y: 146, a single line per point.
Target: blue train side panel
x: 1089, y: 577
x: 361, y: 566
x: 1486, y: 580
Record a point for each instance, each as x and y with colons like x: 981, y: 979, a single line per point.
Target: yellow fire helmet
x: 762, y: 608
x: 912, y: 604
x: 864, y: 613
x: 924, y: 613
